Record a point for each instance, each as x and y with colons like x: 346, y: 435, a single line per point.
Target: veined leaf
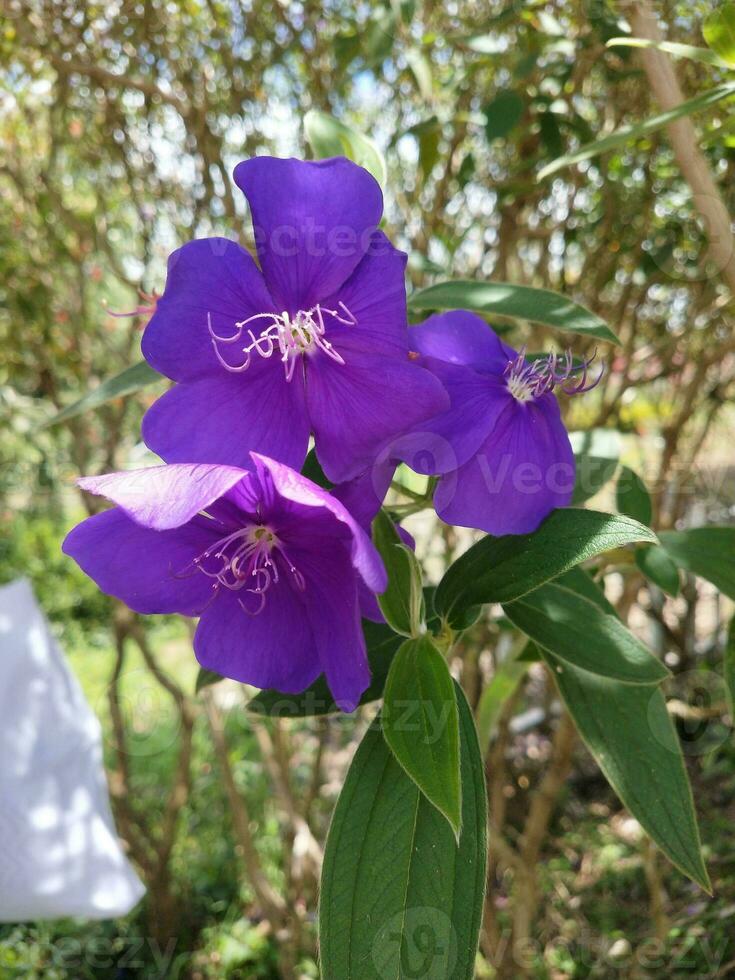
x: 328, y: 137
x: 402, y: 603
x: 628, y: 730
x: 382, y: 644
x: 668, y: 47
x: 506, y: 568
x: 706, y: 551
x: 399, y: 897
x: 519, y: 302
x: 421, y: 726
x: 627, y: 133
x: 577, y: 631
x: 125, y: 383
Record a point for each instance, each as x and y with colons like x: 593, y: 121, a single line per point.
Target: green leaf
x: 706, y: 551
x: 659, y: 568
x: 632, y: 498
x: 503, y: 114
x: 519, y: 302
x: 729, y: 666
x: 719, y: 33
x: 627, y: 133
x: 421, y: 724
x: 668, y: 47
x: 577, y: 631
x: 628, y: 730
x: 596, y: 455
x: 382, y: 644
x: 504, y: 569
x: 503, y: 683
x: 205, y: 678
x: 399, y: 897
x: 421, y: 71
x: 581, y: 582
x: 129, y: 381
x: 328, y: 137
x: 402, y: 603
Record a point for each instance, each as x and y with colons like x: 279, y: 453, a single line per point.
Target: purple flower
x: 315, y: 341
x: 502, y: 450
x: 270, y: 562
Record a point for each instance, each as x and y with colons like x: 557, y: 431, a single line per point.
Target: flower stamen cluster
x: 528, y: 380
x: 291, y: 336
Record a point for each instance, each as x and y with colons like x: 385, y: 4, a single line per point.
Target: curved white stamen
x: 291, y: 335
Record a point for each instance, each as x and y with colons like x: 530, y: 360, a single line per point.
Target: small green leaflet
x: 657, y: 565
x: 520, y: 302
x: 632, y: 497
x: 402, y: 603
x: 328, y: 137
x: 127, y: 382
x: 668, y: 47
x: 399, y: 898
x: 421, y: 724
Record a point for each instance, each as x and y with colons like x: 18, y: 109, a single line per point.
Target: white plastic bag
x: 59, y: 852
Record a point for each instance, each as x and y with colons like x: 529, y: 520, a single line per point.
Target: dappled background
x: 120, y: 124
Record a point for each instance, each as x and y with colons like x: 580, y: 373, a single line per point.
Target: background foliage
x: 120, y: 124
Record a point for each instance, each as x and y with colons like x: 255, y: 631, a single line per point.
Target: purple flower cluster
x: 312, y: 342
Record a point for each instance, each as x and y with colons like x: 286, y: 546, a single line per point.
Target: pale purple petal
x: 163, y: 497
x: 274, y: 648
x: 149, y: 570
x: 313, y: 221
x: 220, y: 419
x: 209, y: 278
x: 357, y: 408
x: 460, y: 337
x: 524, y: 470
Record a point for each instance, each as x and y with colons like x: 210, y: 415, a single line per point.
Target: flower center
x: 290, y: 336
x: 528, y: 380
x: 247, y: 559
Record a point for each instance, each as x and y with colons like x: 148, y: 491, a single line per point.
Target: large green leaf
x: 632, y: 497
x: 421, y: 724
x: 328, y: 137
x: 628, y: 730
x: 705, y: 551
x: 596, y: 456
x: 399, y: 897
x: 626, y: 133
x: 402, y: 603
x: 577, y: 631
x: 668, y: 47
x: 659, y: 567
x: 129, y: 381
x: 519, y: 302
x: 382, y: 644
x: 719, y: 33
x: 504, y: 569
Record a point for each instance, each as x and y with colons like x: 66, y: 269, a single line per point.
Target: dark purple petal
x: 460, y: 337
x: 334, y: 613
x: 221, y: 418
x: 445, y: 442
x: 274, y: 648
x: 294, y: 487
x: 313, y: 222
x: 364, y: 495
x: 358, y: 407
x: 209, y: 277
x: 162, y: 497
x: 522, y: 472
x: 375, y: 295
x: 149, y: 570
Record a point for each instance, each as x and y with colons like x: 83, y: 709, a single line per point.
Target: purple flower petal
x: 163, y: 497
x: 459, y: 337
x: 356, y: 408
x: 220, y: 419
x: 297, y: 488
x: 446, y: 441
x: 375, y: 295
x: 313, y: 223
x: 524, y: 470
x: 208, y: 278
x: 274, y: 648
x: 146, y: 569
